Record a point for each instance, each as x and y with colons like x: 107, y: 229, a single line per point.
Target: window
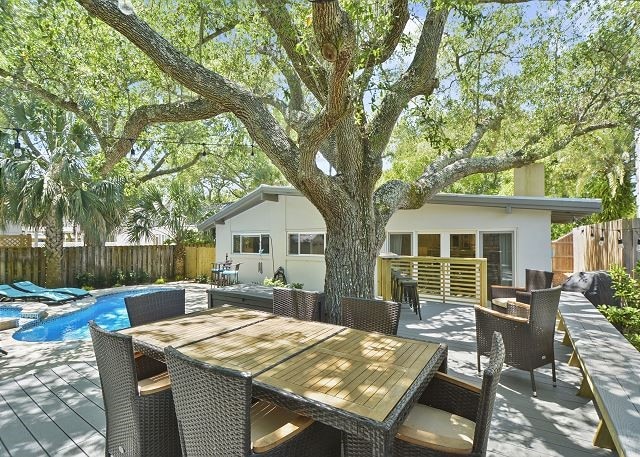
x: 429, y: 244
x: 306, y: 243
x: 463, y: 245
x: 400, y: 243
x: 497, y: 248
x: 251, y: 243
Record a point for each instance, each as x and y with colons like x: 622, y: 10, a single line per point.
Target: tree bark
x: 179, y: 261
x: 354, y: 239
x: 53, y: 251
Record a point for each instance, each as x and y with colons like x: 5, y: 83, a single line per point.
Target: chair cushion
x: 272, y: 425
x: 437, y: 429
x: 154, y: 384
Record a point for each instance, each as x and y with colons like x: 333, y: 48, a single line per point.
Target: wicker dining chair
x: 216, y: 416
x: 138, y: 403
x: 300, y: 304
x: 452, y: 417
x: 155, y: 306
x: 371, y: 315
x: 528, y: 332
x: 534, y: 280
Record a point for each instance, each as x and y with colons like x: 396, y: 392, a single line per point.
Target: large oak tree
x: 343, y: 73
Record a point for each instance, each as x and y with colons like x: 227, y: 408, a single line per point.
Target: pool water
x: 108, y: 312
x: 10, y: 311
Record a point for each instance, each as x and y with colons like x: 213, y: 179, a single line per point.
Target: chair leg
x: 478, y: 357
x: 533, y: 384
x: 553, y: 372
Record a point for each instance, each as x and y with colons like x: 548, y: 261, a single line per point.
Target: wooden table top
x: 260, y: 346
x: 363, y: 373
x: 186, y: 329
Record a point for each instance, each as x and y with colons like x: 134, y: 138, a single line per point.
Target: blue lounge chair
x: 28, y: 286
x: 11, y: 294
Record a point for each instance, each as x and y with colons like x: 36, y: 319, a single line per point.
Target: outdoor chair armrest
x: 452, y: 395
x: 515, y: 308
x: 480, y: 310
x: 523, y: 296
x: 154, y: 384
x: 505, y: 291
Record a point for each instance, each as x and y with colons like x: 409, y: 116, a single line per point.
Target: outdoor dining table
x: 359, y: 382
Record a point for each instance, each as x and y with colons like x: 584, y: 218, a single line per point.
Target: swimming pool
x: 108, y: 311
x: 10, y: 311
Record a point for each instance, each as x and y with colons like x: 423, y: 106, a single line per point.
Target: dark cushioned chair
x: 371, y: 315
x: 155, y: 306
x: 452, y: 417
x: 216, y: 416
x: 527, y: 330
x: 534, y: 280
x: 138, y: 404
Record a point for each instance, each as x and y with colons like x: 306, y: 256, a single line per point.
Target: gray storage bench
x: 611, y: 372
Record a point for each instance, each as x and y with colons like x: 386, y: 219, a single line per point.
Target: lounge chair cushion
x: 272, y: 425
x: 15, y: 294
x: 28, y: 286
x: 437, y: 429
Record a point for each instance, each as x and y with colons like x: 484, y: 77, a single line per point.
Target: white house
x: 277, y: 226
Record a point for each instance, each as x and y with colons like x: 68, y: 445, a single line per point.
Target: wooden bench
x: 611, y: 373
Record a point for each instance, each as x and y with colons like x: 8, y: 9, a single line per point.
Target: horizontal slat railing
x: 449, y: 280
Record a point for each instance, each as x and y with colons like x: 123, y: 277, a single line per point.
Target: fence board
x: 28, y: 263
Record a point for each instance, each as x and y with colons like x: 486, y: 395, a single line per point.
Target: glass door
x: 497, y: 248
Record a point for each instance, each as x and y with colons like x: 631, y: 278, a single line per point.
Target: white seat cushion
x: 436, y: 429
x: 272, y: 425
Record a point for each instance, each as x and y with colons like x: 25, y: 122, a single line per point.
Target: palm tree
x: 176, y: 208
x: 49, y: 185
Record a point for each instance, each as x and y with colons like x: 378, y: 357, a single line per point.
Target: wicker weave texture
x: 458, y: 400
x: 213, y: 407
x: 296, y: 303
x: 155, y: 306
x: 371, y: 315
x: 136, y: 425
x: 529, y: 344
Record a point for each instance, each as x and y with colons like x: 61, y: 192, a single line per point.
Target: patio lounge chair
x: 138, y: 403
x: 371, y: 315
x: 527, y: 330
x: 28, y: 286
x: 216, y: 416
x: 8, y: 293
x: 452, y: 417
x: 155, y: 306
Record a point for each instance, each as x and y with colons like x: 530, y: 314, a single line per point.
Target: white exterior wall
x: 531, y: 228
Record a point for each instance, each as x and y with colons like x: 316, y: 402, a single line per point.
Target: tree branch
x: 398, y: 10
x: 155, y: 172
x: 229, y: 96
x: 21, y: 83
x: 146, y: 115
x: 310, y: 71
x: 418, y: 79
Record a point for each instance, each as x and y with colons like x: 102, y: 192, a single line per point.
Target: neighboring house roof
x: 562, y: 209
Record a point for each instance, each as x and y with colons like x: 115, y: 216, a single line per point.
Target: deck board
x: 556, y: 423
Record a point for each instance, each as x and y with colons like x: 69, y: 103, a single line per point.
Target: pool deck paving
x: 51, y: 402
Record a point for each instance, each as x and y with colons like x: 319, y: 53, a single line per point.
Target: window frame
x: 298, y: 254
x: 260, y: 235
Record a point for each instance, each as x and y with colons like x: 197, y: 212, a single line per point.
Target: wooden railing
x: 452, y: 280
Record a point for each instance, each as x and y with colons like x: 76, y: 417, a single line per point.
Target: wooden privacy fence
x: 198, y: 260
x: 29, y: 263
x: 562, y: 258
x: 453, y: 280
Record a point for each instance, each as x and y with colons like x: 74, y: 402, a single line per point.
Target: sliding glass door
x: 497, y: 248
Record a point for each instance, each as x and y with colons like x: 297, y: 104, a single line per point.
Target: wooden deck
x: 58, y: 411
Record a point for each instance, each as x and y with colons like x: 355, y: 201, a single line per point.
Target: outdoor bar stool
x: 409, y: 294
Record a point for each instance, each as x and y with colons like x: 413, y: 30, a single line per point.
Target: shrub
x: 202, y: 279
x: 626, y: 287
x: 142, y: 277
x: 160, y: 280
x: 118, y: 277
x: 85, y: 280
x: 278, y: 283
x: 626, y: 319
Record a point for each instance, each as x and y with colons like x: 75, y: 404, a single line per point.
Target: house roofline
x: 562, y: 209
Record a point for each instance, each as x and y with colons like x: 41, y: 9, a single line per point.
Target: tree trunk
x: 53, y: 253
x: 180, y: 253
x: 354, y: 239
